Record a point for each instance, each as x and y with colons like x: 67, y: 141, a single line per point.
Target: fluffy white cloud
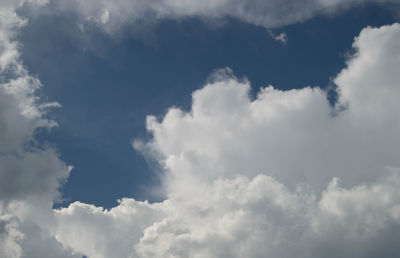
x: 258, y: 177
x: 243, y: 218
x: 294, y: 136
x: 259, y: 218
x: 243, y: 177
x: 105, y: 233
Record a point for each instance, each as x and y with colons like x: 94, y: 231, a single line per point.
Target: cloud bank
x: 282, y: 174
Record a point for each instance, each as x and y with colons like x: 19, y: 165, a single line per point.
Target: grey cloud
x: 112, y: 16
x: 25, y: 168
x: 30, y: 174
x: 36, y: 172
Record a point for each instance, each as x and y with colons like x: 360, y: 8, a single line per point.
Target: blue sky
x: 215, y: 128
x: 107, y: 86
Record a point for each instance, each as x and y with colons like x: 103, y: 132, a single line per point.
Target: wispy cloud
x: 281, y: 37
x: 112, y: 16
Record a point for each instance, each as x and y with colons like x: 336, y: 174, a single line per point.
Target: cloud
x: 294, y: 136
x: 96, y: 232
x: 244, y: 177
x: 259, y: 217
x: 21, y: 115
x: 254, y: 177
x: 281, y: 37
x: 30, y: 173
x: 242, y: 217
x: 113, y: 16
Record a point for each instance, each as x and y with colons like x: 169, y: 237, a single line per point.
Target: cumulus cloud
x: 243, y: 217
x: 29, y: 173
x: 282, y: 174
x: 21, y: 115
x: 260, y: 177
x: 294, y: 136
x: 96, y: 232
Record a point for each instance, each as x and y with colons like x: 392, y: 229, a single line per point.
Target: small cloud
x: 281, y: 37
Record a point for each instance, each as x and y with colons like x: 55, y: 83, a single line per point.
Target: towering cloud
x: 294, y: 136
x: 260, y: 177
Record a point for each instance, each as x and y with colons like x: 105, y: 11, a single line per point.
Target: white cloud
x: 105, y: 233
x: 233, y: 167
x: 242, y: 218
x: 244, y: 177
x: 291, y: 135
x: 259, y: 217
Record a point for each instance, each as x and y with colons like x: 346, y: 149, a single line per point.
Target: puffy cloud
x: 22, y: 160
x: 244, y: 177
x: 243, y: 217
x: 30, y: 173
x: 259, y: 177
x: 105, y: 233
x: 259, y: 217
x: 294, y: 136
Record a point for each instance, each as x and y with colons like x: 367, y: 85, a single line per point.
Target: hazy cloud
x: 112, y: 16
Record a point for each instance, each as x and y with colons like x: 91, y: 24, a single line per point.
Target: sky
x: 199, y: 129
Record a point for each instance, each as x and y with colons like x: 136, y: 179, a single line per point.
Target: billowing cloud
x: 30, y: 174
x: 243, y: 217
x: 106, y: 233
x: 282, y: 174
x: 21, y: 115
x: 294, y: 136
